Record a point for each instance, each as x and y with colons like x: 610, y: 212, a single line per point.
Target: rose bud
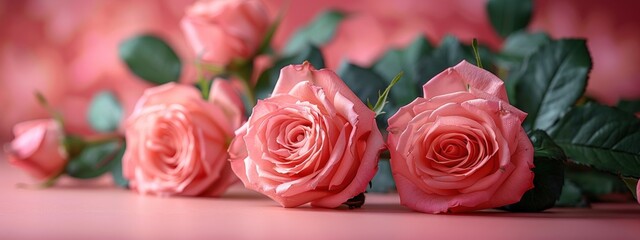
x: 225, y: 30
x: 37, y: 148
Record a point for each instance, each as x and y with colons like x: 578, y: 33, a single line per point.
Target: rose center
x: 297, y: 134
x: 162, y: 143
x: 166, y: 138
x: 453, y: 148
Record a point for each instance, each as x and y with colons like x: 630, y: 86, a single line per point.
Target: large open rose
x: 461, y: 147
x: 312, y: 141
x: 177, y: 141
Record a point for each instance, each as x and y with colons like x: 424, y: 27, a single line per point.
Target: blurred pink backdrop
x: 67, y: 49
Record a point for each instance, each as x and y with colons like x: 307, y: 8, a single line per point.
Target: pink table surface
x: 95, y: 210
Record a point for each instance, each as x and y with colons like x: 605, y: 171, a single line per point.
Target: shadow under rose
x: 68, y: 183
x: 622, y: 211
x: 606, y: 211
x: 242, y: 196
x: 367, y: 208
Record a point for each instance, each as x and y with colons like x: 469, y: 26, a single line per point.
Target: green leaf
x: 267, y: 80
x: 105, y: 112
x: 550, y: 81
x: 523, y: 44
x: 603, y: 137
x: 417, y: 49
x: 508, y: 16
x: 365, y: 83
x: 116, y: 169
x: 387, y: 67
x: 390, y: 64
x: 265, y: 85
x: 630, y: 106
x: 448, y: 54
x: 632, y: 184
x: 151, y: 59
x: 319, y: 32
x: 95, y: 160
x: 571, y: 196
x: 519, y: 46
x: 73, y: 144
x: 594, y: 183
x: 549, y: 176
x: 311, y: 53
x: 382, y: 99
x: 412, y: 61
x: 382, y: 182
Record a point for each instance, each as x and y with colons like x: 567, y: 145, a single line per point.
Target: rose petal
x: 481, y: 81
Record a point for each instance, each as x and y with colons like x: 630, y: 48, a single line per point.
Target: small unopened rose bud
x: 37, y: 148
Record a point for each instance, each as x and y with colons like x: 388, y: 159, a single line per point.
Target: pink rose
x: 176, y: 141
x: 312, y: 141
x: 37, y: 148
x: 638, y: 192
x: 225, y: 30
x: 461, y: 147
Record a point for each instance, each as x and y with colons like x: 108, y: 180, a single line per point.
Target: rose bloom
x: 461, y: 147
x: 225, y: 30
x: 312, y: 141
x: 638, y: 192
x: 37, y: 148
x: 177, y: 141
